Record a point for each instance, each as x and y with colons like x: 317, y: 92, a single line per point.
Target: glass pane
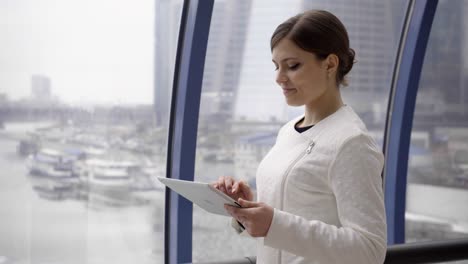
x: 80, y: 144
x: 437, y: 192
x: 242, y: 107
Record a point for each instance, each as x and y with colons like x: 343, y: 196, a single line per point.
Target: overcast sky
x: 94, y: 51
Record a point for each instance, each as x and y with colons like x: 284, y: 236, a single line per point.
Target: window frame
x: 183, y: 125
x: 400, y: 113
x: 190, y: 58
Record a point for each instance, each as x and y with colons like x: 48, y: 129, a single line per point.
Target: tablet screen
x: 202, y: 194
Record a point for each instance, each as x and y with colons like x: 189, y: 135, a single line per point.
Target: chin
x: 293, y: 103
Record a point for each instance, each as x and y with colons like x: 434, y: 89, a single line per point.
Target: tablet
x: 201, y: 194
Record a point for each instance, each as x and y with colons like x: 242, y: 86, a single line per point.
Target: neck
x: 324, y: 106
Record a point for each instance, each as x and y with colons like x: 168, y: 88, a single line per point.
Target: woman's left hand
x: 255, y: 217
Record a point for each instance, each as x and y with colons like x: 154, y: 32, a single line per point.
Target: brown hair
x: 319, y: 32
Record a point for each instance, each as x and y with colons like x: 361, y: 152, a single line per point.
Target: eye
x: 276, y: 67
x: 294, y: 66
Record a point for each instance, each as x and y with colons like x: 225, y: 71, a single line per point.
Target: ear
x: 332, y: 63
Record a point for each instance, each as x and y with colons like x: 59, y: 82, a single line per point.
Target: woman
x: 319, y: 189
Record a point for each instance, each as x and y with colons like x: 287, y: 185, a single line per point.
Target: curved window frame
x: 190, y: 58
x: 399, y: 121
x: 183, y: 125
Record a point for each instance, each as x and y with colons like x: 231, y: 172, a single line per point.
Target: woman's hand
x: 255, y: 217
x: 235, y: 189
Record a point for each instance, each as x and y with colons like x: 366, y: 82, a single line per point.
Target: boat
x: 51, y: 163
x: 101, y: 174
x: 51, y: 170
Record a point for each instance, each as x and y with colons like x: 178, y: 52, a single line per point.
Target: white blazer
x: 326, y: 189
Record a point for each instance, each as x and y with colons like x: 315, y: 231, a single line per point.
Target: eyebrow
x: 288, y: 58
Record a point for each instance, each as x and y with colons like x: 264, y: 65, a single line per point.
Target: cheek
x: 311, y: 81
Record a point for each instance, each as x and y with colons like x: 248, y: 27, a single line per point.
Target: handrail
x: 246, y: 260
x: 428, y: 252
x: 414, y: 253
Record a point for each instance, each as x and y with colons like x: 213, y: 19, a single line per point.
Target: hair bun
x: 319, y: 32
x: 352, y: 53
x: 349, y: 61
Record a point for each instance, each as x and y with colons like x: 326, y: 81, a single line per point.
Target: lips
x: 287, y: 91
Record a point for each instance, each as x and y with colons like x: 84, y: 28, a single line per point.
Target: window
x: 437, y: 191
x: 236, y: 133
x: 82, y: 135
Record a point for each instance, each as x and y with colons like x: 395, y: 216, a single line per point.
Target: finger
x: 235, y: 187
x: 229, y: 182
x: 240, y: 186
x: 245, y: 216
x: 243, y: 221
x: 221, y: 184
x: 245, y: 188
x: 243, y: 185
x: 247, y: 204
x: 232, y: 212
x: 220, y: 180
x: 235, y: 212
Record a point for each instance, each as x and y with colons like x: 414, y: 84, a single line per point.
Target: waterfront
x: 47, y: 220
x: 34, y: 229
x: 41, y: 223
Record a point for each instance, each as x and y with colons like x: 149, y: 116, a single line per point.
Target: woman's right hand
x: 235, y: 189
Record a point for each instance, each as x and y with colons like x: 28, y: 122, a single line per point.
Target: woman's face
x: 301, y: 75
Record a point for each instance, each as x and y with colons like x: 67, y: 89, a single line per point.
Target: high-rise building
x: 443, y: 72
x: 371, y: 26
x: 167, y: 21
x: 41, y: 88
x: 464, y: 40
x: 259, y: 97
x: 224, y: 56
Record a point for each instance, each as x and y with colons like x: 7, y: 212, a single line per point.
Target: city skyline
x: 95, y: 52
x: 60, y: 46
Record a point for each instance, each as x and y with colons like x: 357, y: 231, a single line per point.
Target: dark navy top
x: 301, y: 129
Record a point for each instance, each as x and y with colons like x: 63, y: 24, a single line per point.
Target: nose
x: 281, y: 77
